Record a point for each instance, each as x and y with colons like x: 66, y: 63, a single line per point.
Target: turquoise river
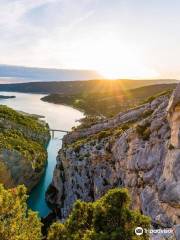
x: 58, y: 117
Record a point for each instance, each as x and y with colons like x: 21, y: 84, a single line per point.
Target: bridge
x: 57, y: 130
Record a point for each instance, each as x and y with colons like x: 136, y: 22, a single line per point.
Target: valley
x: 129, y: 148
x: 57, y: 116
x: 89, y: 120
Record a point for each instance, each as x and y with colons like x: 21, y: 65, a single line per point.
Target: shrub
x: 117, y: 132
x: 104, y: 134
x: 143, y: 130
x: 147, y: 113
x: 24, y: 134
x: 26, y: 121
x: 88, y: 121
x: 31, y: 150
x: 125, y: 126
x: 16, y: 221
x: 146, y: 134
x: 151, y: 98
x: 171, y: 146
x: 108, y: 218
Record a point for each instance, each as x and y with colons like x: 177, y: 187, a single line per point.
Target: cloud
x: 12, y: 10
x: 71, y: 33
x: 34, y: 32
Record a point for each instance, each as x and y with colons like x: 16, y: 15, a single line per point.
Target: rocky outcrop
x: 18, y: 170
x: 173, y: 113
x: 39, y: 136
x: 131, y: 115
x: 23, y: 155
x: 142, y: 157
x: 174, y: 100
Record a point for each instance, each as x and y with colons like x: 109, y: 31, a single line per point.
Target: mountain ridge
x: 46, y: 74
x: 73, y: 87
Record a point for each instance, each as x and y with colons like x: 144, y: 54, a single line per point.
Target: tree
x: 108, y: 218
x: 16, y: 221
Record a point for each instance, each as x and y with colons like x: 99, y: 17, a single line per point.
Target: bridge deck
x: 58, y: 130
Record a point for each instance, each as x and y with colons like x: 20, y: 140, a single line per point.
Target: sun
x: 117, y: 60
x: 131, y: 71
x: 112, y: 58
x: 111, y: 73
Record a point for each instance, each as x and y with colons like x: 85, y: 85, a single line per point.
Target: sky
x: 117, y: 38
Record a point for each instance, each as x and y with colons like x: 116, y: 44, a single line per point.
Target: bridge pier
x: 52, y: 134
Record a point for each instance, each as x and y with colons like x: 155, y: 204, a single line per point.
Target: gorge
x: 57, y: 117
x: 137, y: 149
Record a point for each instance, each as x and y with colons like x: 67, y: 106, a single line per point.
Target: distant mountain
x: 29, y: 74
x: 80, y: 87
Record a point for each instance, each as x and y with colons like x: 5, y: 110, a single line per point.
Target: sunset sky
x: 118, y: 38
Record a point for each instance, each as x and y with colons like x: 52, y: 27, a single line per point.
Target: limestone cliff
x: 138, y: 149
x: 23, y: 154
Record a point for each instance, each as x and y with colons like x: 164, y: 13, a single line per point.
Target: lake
x: 58, y: 117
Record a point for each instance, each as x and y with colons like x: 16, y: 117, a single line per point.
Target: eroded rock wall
x: 17, y: 165
x: 143, y: 161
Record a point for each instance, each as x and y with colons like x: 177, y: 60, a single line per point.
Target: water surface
x: 58, y: 117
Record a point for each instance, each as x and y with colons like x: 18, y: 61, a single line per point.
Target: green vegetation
x: 16, y: 221
x: 144, y: 130
x: 31, y: 150
x: 147, y: 113
x: 24, y: 134
x: 7, y: 113
x: 110, y: 98
x: 171, y: 147
x: 88, y: 121
x: 109, y: 218
x: 77, y: 87
x: 112, y: 133
x: 151, y: 98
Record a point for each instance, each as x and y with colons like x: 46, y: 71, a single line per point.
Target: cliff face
x: 138, y: 149
x: 23, y: 155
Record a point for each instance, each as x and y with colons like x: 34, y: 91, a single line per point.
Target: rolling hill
x: 77, y: 87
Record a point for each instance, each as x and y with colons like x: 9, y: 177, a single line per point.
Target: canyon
x: 137, y: 149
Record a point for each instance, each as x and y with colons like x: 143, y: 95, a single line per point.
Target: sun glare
x: 118, y: 60
x: 134, y: 71
x: 112, y: 58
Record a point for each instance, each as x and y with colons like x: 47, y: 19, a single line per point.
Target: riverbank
x: 23, y: 141
x: 58, y: 117
x: 107, y: 102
